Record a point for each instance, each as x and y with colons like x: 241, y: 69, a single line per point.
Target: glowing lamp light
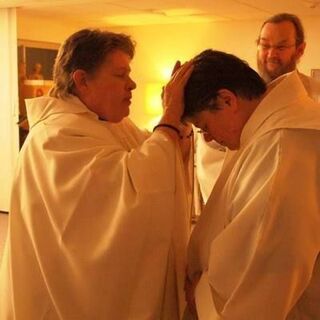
x: 152, y: 97
x: 153, y: 102
x: 166, y: 73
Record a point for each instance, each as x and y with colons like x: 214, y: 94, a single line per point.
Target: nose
x: 132, y: 85
x: 273, y: 52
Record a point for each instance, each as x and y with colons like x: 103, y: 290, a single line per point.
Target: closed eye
x: 121, y: 75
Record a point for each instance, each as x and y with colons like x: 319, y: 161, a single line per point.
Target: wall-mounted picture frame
x: 35, y: 67
x: 315, y: 73
x: 36, y: 59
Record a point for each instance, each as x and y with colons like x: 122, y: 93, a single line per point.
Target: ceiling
x: 145, y: 12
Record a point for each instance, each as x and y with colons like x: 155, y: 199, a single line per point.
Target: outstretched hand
x: 177, y: 65
x: 173, y: 93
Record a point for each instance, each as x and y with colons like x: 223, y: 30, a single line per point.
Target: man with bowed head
x: 96, y: 230
x: 254, y: 253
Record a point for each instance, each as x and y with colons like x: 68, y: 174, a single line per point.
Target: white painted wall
x: 41, y: 29
x: 9, y: 141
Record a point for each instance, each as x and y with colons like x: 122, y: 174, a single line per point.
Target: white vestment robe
x: 312, y: 86
x: 257, y: 241
x: 98, y: 222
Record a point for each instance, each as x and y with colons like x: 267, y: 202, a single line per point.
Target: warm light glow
x: 166, y: 73
x: 153, y: 102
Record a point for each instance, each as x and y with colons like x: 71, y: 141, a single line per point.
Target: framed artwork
x: 36, y: 59
x: 35, y: 68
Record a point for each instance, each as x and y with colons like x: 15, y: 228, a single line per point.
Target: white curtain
x: 9, y: 134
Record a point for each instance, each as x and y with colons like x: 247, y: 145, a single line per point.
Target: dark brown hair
x: 215, y: 70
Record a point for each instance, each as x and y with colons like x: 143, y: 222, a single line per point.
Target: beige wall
x: 158, y: 47
x: 41, y: 29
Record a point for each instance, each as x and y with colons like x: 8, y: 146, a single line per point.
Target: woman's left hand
x: 173, y: 93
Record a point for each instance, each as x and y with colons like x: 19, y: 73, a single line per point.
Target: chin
x: 126, y: 114
x: 121, y: 117
x: 116, y: 120
x: 117, y: 117
x: 233, y: 147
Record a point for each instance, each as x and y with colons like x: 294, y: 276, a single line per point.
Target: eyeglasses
x: 280, y: 47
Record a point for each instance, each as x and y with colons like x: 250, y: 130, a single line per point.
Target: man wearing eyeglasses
x: 281, y: 44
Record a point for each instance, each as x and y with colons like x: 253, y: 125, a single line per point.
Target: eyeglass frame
x: 279, y: 47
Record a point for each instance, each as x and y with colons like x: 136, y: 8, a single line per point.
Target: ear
x: 80, y: 80
x: 227, y: 98
x: 300, y: 50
